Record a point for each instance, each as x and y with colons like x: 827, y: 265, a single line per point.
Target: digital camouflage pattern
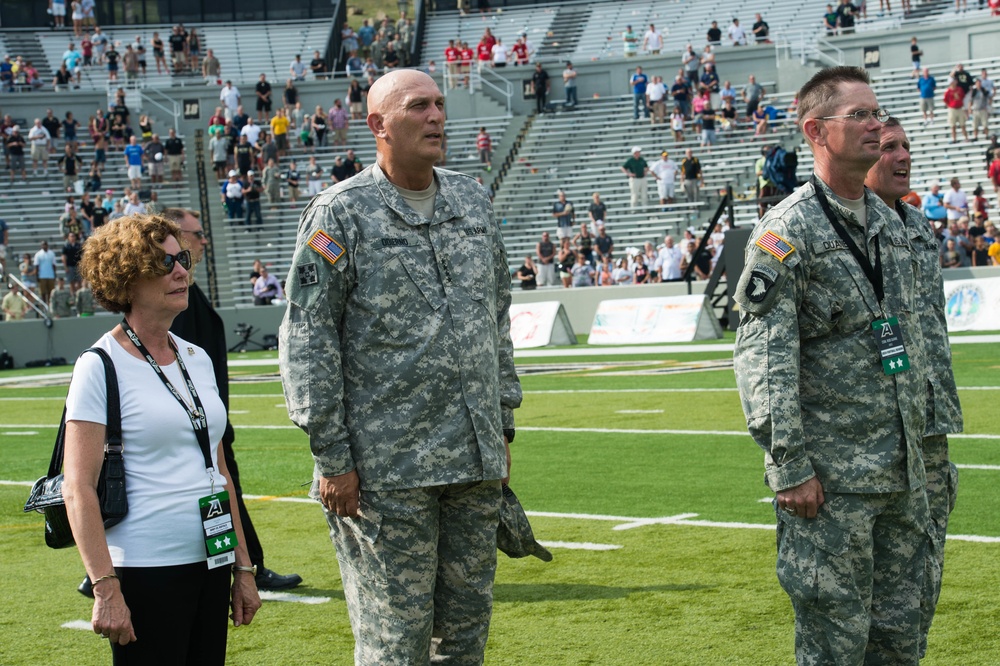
x: 818, y: 403
x: 397, y: 596
x: 943, y: 412
x: 61, y: 302
x: 396, y: 358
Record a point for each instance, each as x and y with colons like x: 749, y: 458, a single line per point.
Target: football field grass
x: 636, y: 470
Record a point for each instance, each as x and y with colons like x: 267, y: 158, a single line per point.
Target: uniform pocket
x: 810, y: 554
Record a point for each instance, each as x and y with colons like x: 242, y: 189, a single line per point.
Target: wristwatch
x: 252, y: 570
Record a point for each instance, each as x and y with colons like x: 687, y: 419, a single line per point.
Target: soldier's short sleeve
x: 317, y: 288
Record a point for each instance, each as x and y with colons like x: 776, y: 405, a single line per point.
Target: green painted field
x: 644, y: 453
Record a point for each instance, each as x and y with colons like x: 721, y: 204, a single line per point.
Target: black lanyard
x: 874, y: 274
x: 198, y: 420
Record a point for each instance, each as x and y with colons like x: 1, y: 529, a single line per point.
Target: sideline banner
x: 652, y: 320
x: 973, y: 305
x: 540, y: 325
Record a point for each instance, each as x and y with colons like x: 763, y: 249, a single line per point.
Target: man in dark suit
x: 202, y: 325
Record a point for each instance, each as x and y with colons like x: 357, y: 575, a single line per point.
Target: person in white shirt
x: 569, y: 84
x: 669, y: 260
x: 297, y: 68
x: 230, y: 98
x: 666, y: 172
x: 737, y: 34
x: 500, y: 54
x: 251, y: 131
x: 39, y: 139
x: 955, y: 202
x: 652, y: 42
x: 656, y: 98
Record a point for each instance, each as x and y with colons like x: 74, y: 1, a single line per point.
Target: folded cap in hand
x: 514, y: 535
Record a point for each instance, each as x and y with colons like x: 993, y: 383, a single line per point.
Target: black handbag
x: 46, y: 495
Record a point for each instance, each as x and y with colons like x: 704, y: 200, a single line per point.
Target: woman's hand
x: 111, y: 618
x: 245, y: 600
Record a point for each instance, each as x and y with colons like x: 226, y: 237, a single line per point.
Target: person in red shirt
x: 520, y: 50
x: 484, y: 144
x: 484, y: 53
x: 954, y: 99
x: 451, y: 56
x: 466, y: 55
x: 217, y: 117
x: 994, y: 172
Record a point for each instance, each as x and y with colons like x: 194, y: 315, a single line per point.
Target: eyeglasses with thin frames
x: 198, y: 233
x: 183, y: 258
x: 862, y: 115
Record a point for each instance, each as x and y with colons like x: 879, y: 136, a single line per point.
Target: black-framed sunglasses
x: 183, y: 258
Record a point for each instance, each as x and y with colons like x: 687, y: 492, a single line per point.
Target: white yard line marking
x: 21, y: 432
x: 642, y: 522
x: 638, y: 411
x: 579, y: 546
x: 637, y: 431
x: 990, y: 467
x: 652, y: 390
x: 973, y: 538
x: 275, y: 498
x: 17, y: 483
x: 82, y: 625
x: 239, y: 411
x: 288, y: 596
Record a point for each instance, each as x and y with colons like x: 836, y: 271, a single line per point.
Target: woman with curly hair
x: 160, y: 595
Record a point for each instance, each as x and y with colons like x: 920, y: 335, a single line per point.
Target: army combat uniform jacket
x: 814, y: 390
x: 395, y: 351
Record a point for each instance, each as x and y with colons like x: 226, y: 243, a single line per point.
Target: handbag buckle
x: 114, y: 445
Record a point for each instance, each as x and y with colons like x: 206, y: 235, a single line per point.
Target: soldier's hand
x: 506, y: 445
x: 341, y: 494
x: 804, y: 500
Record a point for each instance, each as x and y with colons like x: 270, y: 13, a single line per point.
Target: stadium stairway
x: 565, y: 31
x: 27, y: 45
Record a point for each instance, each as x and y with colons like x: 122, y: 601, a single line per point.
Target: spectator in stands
x: 133, y: 162
x: 353, y: 162
x: 15, y: 151
x: 540, y: 85
x: 604, y: 271
x: 193, y: 50
x: 366, y: 35
x: 211, y: 69
x: 710, y: 81
x: 963, y: 78
x: 994, y: 171
x: 151, y: 151
x: 158, y: 54
x: 40, y: 139
x: 244, y: 154
x: 761, y: 30
x: 692, y: 178
x: 830, y: 18
x: 355, y: 100
x: 562, y: 211
x: 652, y: 41
x: 52, y: 124
x: 465, y: 57
x: 314, y: 177
x: 582, y: 272
x: 638, y: 82
x: 737, y: 35
x: 4, y: 242
x: 669, y: 260
x: 714, y: 34
x: 956, y: 202
x: 484, y: 146
x: 292, y: 180
x: 266, y: 288
x: 656, y: 99
x: 111, y: 57
x: 250, y: 130
x: 340, y: 171
x: 583, y: 243
x: 174, y: 150
x: 846, y: 13
x: 69, y: 126
x: 134, y: 206
x: 987, y: 85
x: 45, y: 265
x: 665, y: 170
x: 640, y: 272
x: 526, y: 274
x: 520, y: 51
x: 604, y: 245
x: 979, y: 107
x: 766, y: 188
x: 69, y: 165
x: 565, y: 260
x: 691, y: 64
x: 569, y: 84
x: 72, y: 252
x: 218, y: 148
x: 14, y: 306
x: 100, y: 41
x: 319, y: 123
x: 62, y: 79
x: 272, y: 183
x: 232, y: 196
x: 933, y: 205
x: 178, y: 43
x: 545, y: 250
x: 621, y: 275
x: 598, y: 213
x: 279, y: 128
x: 297, y: 68
x: 950, y: 258
x: 263, y: 92
x: 339, y: 122
x: 499, y: 54
x: 631, y: 42
x: 760, y: 123
x: 28, y: 272
x: 484, y: 50
x: 677, y: 123
x: 130, y: 61
x: 451, y: 58
x: 73, y: 59
x: 252, y: 189
x: 637, y: 169
x: 318, y: 67
x: 926, y: 84
x: 954, y: 100
x: 230, y: 98
x: 752, y: 94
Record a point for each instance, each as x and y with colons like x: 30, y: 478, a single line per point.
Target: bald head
x: 394, y: 85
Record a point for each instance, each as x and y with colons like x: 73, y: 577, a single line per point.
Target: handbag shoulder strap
x: 114, y: 417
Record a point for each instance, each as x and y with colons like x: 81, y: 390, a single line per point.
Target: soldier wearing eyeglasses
x: 826, y: 364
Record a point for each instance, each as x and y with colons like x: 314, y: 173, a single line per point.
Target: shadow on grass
x: 509, y: 593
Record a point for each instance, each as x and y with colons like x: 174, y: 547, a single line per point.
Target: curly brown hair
x: 122, y: 251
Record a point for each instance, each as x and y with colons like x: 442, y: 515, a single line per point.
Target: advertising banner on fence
x: 651, y: 320
x: 973, y: 305
x: 540, y: 325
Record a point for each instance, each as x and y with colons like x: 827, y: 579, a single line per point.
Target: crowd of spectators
x: 961, y: 222
x: 965, y: 97
x: 489, y: 53
x: 377, y: 46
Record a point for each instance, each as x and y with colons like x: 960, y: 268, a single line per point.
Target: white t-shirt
x: 251, y: 132
x: 958, y: 199
x: 654, y: 40
x: 666, y: 169
x: 737, y: 34
x: 670, y: 262
x: 164, y: 466
x: 230, y: 96
x: 657, y: 91
x: 499, y: 53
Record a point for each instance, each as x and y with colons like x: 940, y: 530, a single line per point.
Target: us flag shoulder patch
x: 775, y: 245
x: 328, y: 248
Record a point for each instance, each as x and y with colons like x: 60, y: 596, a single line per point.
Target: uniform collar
x: 443, y: 208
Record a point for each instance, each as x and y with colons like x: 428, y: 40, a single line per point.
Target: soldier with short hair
x: 396, y: 359
x: 832, y: 377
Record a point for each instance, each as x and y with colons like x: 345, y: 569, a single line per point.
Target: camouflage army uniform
x: 397, y: 361
x: 944, y: 413
x: 61, y: 302
x: 819, y: 404
x: 84, y: 302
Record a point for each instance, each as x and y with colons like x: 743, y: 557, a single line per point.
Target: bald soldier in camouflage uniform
x: 397, y: 361
x: 890, y: 180
x: 831, y: 395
